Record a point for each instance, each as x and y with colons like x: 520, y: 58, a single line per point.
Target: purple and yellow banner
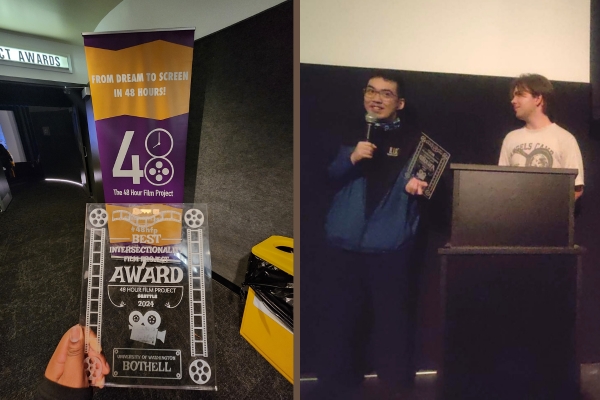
x: 140, y: 87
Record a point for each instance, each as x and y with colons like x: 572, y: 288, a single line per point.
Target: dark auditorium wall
x: 38, y: 104
x: 467, y: 115
x: 57, y: 142
x: 240, y: 139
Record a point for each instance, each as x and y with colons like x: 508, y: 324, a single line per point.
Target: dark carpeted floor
x: 41, y: 256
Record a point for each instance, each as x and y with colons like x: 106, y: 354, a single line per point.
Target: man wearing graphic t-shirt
x: 540, y: 143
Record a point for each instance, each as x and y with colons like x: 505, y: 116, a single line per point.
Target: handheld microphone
x: 371, y: 119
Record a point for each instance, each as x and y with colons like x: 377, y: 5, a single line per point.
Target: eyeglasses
x: 385, y: 94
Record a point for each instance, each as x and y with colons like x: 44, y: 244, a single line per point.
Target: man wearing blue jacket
x: 370, y: 231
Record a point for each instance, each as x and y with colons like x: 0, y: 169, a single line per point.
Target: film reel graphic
x: 159, y: 171
x: 93, y: 369
x: 200, y: 371
x: 194, y: 218
x: 98, y: 218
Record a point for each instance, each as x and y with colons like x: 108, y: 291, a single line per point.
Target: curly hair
x: 537, y: 85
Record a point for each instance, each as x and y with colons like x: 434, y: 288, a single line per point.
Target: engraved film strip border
x: 197, y: 293
x: 93, y: 311
x: 146, y: 220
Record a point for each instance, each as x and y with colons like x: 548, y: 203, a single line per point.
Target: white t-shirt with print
x: 549, y: 147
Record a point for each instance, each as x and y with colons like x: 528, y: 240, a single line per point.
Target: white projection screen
x: 491, y: 37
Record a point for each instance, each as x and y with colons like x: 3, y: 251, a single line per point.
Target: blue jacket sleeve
x: 404, y: 179
x: 341, y: 165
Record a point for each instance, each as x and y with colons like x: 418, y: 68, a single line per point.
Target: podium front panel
x: 509, y: 206
x: 509, y: 326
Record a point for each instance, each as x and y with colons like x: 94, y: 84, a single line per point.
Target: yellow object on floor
x: 263, y: 331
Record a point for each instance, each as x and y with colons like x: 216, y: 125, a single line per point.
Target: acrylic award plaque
x: 428, y: 163
x: 146, y: 295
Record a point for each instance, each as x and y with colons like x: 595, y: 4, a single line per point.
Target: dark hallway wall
x: 240, y: 139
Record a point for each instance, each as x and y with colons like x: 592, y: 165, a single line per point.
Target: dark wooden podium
x: 510, y: 284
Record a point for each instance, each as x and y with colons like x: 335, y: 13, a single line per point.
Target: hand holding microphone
x: 371, y: 119
x: 361, y: 151
x: 365, y: 149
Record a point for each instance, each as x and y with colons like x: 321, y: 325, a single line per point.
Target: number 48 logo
x: 135, y: 172
x: 158, y: 170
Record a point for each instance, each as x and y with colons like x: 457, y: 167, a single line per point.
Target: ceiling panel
x: 60, y: 20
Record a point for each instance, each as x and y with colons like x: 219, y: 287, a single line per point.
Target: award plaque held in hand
x: 147, y: 295
x: 428, y: 163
